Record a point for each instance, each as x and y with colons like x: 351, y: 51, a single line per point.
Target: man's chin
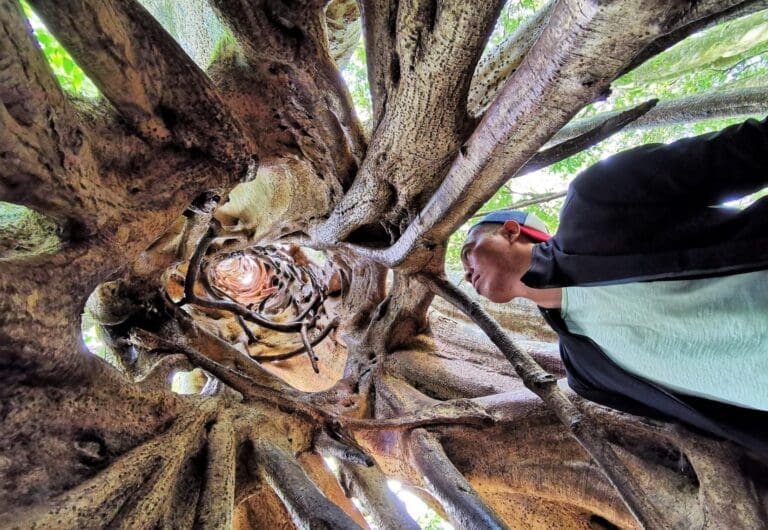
x: 496, y: 299
x: 494, y: 296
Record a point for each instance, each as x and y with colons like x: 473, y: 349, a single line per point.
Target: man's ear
x: 511, y: 230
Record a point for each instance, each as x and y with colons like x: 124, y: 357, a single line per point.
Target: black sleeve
x: 705, y: 170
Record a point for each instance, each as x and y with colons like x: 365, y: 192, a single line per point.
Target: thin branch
x: 248, y: 333
x: 687, y: 109
x: 308, y: 347
x: 545, y: 386
x: 545, y: 197
x: 452, y: 412
x: 217, y: 349
x: 298, y: 351
x: 599, y: 131
x: 190, y: 297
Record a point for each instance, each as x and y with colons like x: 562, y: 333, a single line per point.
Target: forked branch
x: 576, y: 57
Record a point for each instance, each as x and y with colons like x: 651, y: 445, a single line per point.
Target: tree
x: 182, y: 205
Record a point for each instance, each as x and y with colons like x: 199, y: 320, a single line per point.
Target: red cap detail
x: 534, y: 234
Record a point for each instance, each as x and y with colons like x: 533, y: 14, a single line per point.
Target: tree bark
x: 245, y: 139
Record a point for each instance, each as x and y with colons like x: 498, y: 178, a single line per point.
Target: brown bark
x: 264, y: 148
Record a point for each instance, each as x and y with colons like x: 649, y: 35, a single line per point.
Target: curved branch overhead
x: 247, y: 382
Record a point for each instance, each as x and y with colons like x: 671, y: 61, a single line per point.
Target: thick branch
x: 499, y: 64
x: 326, y: 445
x: 46, y: 156
x: 545, y: 386
x: 217, y: 500
x: 303, y: 348
x: 302, y: 105
x: 705, y: 14
x: 378, y: 18
x: 145, y: 74
x: 142, y: 478
x: 428, y: 57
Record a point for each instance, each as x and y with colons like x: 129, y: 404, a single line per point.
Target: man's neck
x: 547, y: 298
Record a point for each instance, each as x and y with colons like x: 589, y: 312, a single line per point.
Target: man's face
x: 486, y: 257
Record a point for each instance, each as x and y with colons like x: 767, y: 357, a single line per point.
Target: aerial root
x: 307, y: 505
x: 369, y: 485
x: 136, y: 486
x: 218, y: 496
x: 448, y: 485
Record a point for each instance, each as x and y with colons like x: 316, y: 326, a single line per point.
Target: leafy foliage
x: 355, y: 74
x: 70, y: 76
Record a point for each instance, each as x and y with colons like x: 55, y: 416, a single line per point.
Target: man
x: 659, y: 296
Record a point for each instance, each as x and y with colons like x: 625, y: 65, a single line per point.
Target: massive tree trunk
x: 181, y: 207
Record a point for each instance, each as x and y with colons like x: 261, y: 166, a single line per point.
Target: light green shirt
x: 706, y: 338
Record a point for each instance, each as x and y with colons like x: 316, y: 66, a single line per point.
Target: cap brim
x: 534, y: 234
